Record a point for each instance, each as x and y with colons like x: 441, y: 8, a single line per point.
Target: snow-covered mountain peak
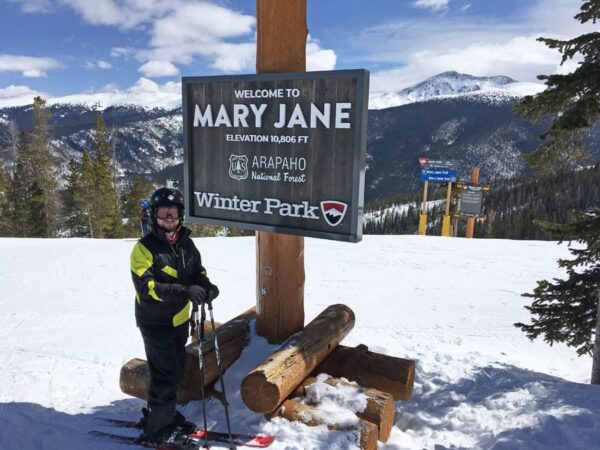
x: 452, y: 84
x: 448, y: 83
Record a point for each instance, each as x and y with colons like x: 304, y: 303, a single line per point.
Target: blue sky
x: 135, y: 48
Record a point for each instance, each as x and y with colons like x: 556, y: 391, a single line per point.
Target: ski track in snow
x: 67, y: 327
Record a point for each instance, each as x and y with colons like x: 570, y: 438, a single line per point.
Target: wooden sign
x: 470, y: 201
x: 277, y: 152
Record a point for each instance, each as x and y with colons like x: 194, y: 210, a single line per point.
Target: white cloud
x: 100, y: 64
x: 234, y: 57
x: 179, y: 30
x: 435, y: 5
x: 124, y: 14
x: 34, y: 6
x: 17, y: 96
x: 29, y: 66
x: 477, y: 47
x: 514, y: 58
x: 318, y: 58
x: 158, y: 69
x: 104, y: 64
x: 121, y: 52
x: 203, y: 29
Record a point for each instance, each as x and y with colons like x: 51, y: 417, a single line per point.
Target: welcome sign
x: 277, y: 152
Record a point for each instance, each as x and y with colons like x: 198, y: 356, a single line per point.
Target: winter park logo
x: 238, y: 167
x: 333, y: 211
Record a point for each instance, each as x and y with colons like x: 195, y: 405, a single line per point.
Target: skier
x: 145, y: 217
x: 167, y: 273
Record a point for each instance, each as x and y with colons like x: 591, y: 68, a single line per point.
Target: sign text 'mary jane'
x: 277, y: 152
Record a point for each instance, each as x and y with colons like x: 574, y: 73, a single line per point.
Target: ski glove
x: 198, y: 294
x: 213, y: 292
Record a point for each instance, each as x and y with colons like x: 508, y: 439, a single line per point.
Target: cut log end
x: 257, y: 393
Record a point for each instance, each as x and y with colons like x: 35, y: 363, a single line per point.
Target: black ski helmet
x: 166, y: 197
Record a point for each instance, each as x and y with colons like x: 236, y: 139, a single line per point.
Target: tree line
x: 86, y: 202
x: 90, y: 200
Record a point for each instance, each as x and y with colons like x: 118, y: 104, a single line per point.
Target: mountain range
x: 450, y: 116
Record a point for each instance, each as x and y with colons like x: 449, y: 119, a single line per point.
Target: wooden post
x: 471, y: 220
x: 423, y: 215
x: 281, y: 47
x: 446, y: 219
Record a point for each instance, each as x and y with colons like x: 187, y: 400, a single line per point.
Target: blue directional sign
x: 438, y: 175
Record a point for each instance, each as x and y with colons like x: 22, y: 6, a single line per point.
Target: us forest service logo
x: 333, y: 211
x: 238, y: 167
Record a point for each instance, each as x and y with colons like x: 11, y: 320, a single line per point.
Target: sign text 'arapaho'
x: 277, y: 152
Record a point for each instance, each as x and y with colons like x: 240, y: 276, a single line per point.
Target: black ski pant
x: 165, y: 351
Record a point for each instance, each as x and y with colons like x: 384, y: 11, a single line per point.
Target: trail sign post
x: 470, y: 201
x: 436, y: 171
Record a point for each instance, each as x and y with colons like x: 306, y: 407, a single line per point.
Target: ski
x: 181, y: 443
x: 237, y: 439
x: 200, y: 435
x: 119, y: 422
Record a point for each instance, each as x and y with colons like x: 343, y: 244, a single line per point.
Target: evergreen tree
x: 566, y: 310
x: 33, y: 203
x: 74, y: 208
x: 87, y: 196
x: 135, y: 191
x: 572, y: 101
x: 106, y: 201
x: 43, y: 206
x: 20, y: 214
x: 5, y: 225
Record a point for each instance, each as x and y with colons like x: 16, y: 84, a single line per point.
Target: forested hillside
x: 511, y: 207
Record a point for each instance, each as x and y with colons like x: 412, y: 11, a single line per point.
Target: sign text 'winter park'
x: 277, y: 152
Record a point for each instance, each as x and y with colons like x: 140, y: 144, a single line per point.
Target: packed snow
x: 449, y: 304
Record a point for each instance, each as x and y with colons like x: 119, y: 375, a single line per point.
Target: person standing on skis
x: 168, y: 275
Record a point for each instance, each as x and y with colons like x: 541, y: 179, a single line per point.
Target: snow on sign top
x: 277, y: 152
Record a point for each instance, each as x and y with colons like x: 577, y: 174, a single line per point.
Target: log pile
x: 277, y: 386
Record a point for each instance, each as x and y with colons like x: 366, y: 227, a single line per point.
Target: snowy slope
x: 67, y: 327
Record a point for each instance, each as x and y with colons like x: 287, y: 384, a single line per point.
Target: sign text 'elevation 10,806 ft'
x: 277, y: 152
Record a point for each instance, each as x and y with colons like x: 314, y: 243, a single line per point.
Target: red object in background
x: 423, y: 160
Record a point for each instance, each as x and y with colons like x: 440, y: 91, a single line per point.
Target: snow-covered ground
x: 67, y: 326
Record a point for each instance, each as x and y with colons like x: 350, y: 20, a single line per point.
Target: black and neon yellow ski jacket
x: 161, y: 274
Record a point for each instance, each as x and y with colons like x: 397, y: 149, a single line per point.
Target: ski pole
x: 199, y: 340
x: 218, y: 356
